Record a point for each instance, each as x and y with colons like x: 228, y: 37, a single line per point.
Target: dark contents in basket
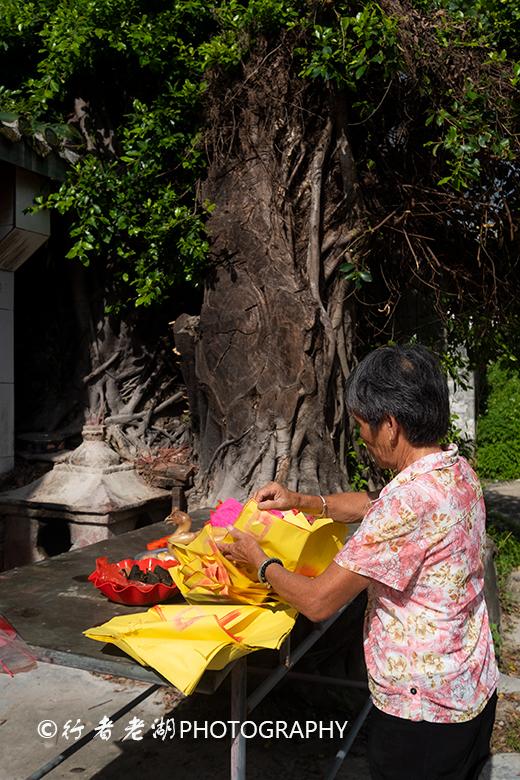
x: 149, y: 577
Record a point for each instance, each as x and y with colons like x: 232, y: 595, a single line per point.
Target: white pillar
x: 6, y: 371
x: 21, y: 235
x: 463, y: 404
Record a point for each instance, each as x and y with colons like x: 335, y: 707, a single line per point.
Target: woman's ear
x: 393, y: 428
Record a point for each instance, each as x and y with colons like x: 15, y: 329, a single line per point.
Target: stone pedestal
x: 92, y: 494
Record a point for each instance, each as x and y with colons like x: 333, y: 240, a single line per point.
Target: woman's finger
x: 267, y: 492
x: 236, y: 533
x: 223, y: 547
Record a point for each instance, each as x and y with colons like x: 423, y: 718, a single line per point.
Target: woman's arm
x: 318, y: 598
x: 342, y: 507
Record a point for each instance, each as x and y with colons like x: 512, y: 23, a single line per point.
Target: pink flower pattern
x: 428, y: 644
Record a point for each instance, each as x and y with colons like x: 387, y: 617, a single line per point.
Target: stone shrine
x: 89, y: 496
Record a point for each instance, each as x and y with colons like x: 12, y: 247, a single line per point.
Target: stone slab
x: 22, y: 155
x: 502, y: 766
x: 6, y: 464
x: 58, y: 694
x: 462, y: 404
x: 504, y: 499
x: 28, y: 186
x: 18, y: 246
x: 508, y: 684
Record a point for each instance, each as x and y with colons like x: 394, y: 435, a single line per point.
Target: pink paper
x: 226, y: 513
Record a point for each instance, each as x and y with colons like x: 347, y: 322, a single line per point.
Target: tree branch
x: 103, y: 367
x: 313, y: 248
x: 169, y: 401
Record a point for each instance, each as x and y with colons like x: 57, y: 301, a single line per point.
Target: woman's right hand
x: 276, y: 496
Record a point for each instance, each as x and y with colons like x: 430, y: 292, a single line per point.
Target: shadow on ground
x: 293, y: 758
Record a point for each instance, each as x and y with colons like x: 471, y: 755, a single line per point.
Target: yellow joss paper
x: 303, y: 547
x: 181, y: 641
x: 205, y: 575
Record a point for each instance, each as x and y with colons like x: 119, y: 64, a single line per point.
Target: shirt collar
x: 434, y: 461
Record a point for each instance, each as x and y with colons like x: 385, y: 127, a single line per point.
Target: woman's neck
x: 410, y: 454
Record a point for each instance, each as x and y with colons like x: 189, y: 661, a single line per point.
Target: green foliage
x: 465, y: 118
x: 456, y: 436
x: 137, y: 65
x: 512, y: 738
x: 492, y: 23
x: 498, y: 429
x: 145, y: 67
x: 128, y: 211
x: 359, y: 276
x: 354, y: 46
x: 465, y: 127
x: 239, y: 23
x: 497, y: 639
x: 358, y: 471
x: 142, y: 66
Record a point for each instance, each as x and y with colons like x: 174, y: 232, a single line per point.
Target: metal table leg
x: 348, y: 741
x: 238, y: 714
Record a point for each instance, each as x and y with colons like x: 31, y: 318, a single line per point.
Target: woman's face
x: 378, y: 443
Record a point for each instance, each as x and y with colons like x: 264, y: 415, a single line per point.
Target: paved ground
x: 50, y: 697
x: 54, y: 695
x: 504, y: 498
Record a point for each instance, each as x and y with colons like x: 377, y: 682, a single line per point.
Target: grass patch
x: 512, y: 734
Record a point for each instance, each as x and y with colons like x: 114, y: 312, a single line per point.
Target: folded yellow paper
x: 205, y: 575
x: 181, y: 641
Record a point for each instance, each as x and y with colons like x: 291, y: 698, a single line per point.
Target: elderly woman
x: 419, y: 551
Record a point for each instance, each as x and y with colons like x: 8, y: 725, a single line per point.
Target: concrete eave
x: 20, y: 153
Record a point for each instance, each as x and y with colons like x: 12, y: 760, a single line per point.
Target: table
x: 32, y: 597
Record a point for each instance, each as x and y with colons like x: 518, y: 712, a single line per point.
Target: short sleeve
x: 389, y: 545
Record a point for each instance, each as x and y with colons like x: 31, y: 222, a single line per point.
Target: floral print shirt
x: 428, y: 644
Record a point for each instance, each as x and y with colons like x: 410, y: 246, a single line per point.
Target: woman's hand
x: 245, y: 548
x: 276, y: 496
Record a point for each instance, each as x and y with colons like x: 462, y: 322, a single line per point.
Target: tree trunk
x: 265, y: 364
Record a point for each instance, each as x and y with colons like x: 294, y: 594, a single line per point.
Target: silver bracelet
x: 324, y: 508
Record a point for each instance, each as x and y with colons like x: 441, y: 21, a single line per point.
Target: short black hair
x: 405, y: 382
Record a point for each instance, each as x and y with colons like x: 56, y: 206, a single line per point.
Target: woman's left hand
x: 245, y: 548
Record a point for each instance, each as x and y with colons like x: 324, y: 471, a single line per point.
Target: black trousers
x: 400, y: 749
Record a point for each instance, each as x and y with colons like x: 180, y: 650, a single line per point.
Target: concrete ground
x: 504, y: 498
x: 48, y: 699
